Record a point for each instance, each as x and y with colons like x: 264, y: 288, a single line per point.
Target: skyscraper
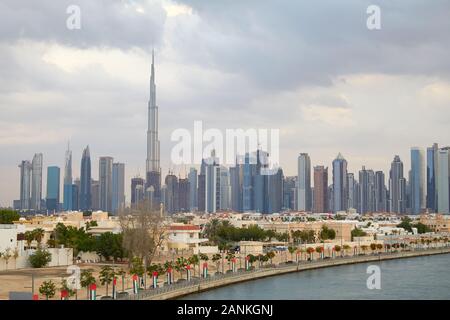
x: 137, y: 191
x: 417, y: 181
x: 443, y: 181
x: 212, y: 185
x: 105, y: 183
x: 36, y: 181
x: 352, y: 194
x: 153, y: 173
x: 432, y: 157
x: 25, y: 184
x: 193, y: 197
x: 289, y: 193
x: 118, y: 187
x: 76, y: 195
x: 224, y: 188
x: 261, y: 183
x: 380, y: 192
x: 397, y: 187
x: 340, y: 189
x: 236, y: 180
x: 304, y: 182
x: 202, y: 188
x: 85, y: 181
x: 172, y: 192
x: 183, y: 194
x: 95, y: 193
x: 320, y: 189
x: 366, y: 191
x: 249, y: 171
x: 53, y: 184
x: 275, y: 191
x: 67, y: 187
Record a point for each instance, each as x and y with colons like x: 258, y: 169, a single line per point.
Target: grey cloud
x: 111, y: 23
x: 285, y: 43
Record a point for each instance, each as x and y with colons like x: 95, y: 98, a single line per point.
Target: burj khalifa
x: 153, y: 169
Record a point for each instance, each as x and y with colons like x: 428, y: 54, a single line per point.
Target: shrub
x: 40, y: 258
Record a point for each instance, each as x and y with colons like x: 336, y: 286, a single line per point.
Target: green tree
x: 358, y: 233
x: 48, y: 289
x: 422, y: 228
x: 107, y: 275
x: 405, y: 224
x: 65, y: 287
x: 8, y: 216
x: 282, y: 236
x: 327, y: 234
x: 109, y: 245
x: 40, y: 258
x: 86, y: 279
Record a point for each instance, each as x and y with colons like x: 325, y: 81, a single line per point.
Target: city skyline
x: 369, y: 111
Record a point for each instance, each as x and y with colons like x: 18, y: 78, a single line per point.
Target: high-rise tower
x: 67, y: 190
x: 85, y: 181
x: 153, y: 173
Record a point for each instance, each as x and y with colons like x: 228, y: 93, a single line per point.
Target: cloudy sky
x: 309, y: 68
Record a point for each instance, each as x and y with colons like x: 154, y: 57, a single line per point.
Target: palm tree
x: 310, y: 251
x: 271, y: 255
x: 106, y: 276
x: 194, y: 260
x: 364, y: 248
x: 180, y: 265
x: 337, y: 248
x: 319, y: 250
x: 29, y: 237
x: 346, y: 247
x: 216, y: 259
x: 38, y: 235
x: 291, y: 251
x: 379, y: 247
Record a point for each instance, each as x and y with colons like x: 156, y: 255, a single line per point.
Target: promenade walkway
x: 184, y: 288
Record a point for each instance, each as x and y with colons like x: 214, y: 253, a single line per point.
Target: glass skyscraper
x: 53, y: 184
x: 340, y: 188
x: 417, y: 181
x: 85, y: 181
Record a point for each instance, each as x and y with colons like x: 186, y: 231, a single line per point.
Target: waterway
x: 426, y: 277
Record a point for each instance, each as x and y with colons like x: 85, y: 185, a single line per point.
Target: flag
x: 205, y: 270
x: 64, y: 294
x: 169, y: 276
x: 93, y: 292
x: 135, y: 284
x: 188, y: 270
x: 155, y: 279
x: 114, y: 289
